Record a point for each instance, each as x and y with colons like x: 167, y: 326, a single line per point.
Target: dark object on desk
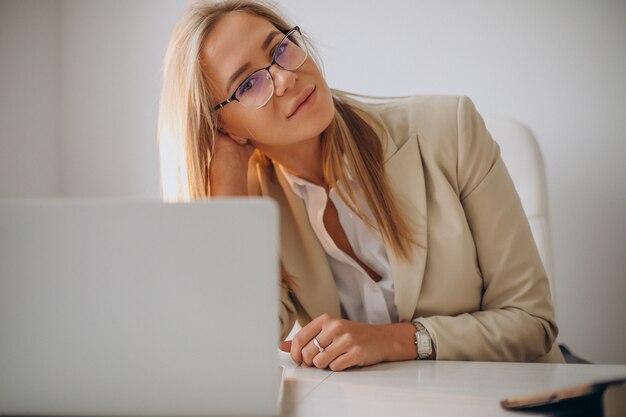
x: 569, y: 356
x: 580, y: 400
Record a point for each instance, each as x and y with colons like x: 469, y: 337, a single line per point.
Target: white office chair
x: 522, y: 156
x: 524, y: 161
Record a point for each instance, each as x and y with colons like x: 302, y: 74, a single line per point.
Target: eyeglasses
x: 256, y: 90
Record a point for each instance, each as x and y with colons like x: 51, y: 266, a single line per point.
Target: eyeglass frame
x: 233, y: 97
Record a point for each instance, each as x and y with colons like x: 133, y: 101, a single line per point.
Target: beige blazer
x: 476, y: 281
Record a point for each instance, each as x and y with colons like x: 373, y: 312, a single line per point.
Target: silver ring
x: 317, y: 344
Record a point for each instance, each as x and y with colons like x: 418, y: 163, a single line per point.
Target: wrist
x: 399, y: 340
x: 228, y: 175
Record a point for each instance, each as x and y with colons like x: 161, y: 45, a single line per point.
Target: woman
x: 402, y: 235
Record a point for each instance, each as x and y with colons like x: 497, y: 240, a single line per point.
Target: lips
x: 306, y: 93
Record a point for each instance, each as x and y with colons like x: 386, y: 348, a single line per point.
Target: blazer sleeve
x: 286, y: 309
x: 516, y: 317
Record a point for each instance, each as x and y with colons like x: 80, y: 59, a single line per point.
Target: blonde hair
x: 187, y: 127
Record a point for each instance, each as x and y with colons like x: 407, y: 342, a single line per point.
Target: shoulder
x: 413, y: 106
x: 431, y: 120
x: 421, y: 115
x: 427, y: 117
x: 449, y: 131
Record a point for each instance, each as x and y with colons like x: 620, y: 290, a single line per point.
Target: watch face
x: 424, y: 346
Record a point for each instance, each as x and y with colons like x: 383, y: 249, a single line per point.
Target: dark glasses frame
x: 233, y: 97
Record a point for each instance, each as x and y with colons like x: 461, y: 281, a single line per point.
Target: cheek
x: 261, y: 127
x: 243, y: 123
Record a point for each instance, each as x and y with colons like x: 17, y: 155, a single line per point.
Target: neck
x: 302, y: 159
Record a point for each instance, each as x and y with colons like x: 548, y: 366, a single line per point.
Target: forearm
x: 226, y: 176
x: 509, y: 335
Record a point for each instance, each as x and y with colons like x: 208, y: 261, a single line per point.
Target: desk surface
x: 426, y: 387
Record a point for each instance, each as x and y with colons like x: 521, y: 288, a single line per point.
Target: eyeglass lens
x: 258, y: 88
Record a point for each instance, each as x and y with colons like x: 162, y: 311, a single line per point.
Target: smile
x: 306, y: 99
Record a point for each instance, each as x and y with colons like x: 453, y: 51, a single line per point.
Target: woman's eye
x: 281, y: 49
x: 246, y: 86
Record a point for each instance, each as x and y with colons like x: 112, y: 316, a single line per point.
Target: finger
x: 342, y: 362
x: 221, y: 136
x: 303, y: 337
x: 309, y: 352
x: 224, y: 141
x: 250, y: 148
x: 285, y: 346
x: 323, y: 359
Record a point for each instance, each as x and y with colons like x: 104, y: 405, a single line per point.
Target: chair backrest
x: 524, y: 161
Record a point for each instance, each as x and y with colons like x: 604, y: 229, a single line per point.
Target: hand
x: 346, y: 343
x: 228, y: 171
x: 225, y: 144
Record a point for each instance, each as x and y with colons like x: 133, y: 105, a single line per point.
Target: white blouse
x: 362, y: 299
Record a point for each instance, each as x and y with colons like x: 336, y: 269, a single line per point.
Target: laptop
x: 139, y: 307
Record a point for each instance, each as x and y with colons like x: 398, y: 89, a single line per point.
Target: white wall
x: 556, y: 66
x: 29, y: 146
x: 111, y: 55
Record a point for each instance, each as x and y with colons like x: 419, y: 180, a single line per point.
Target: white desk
x: 426, y: 388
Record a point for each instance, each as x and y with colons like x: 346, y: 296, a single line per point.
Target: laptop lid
x: 138, y: 308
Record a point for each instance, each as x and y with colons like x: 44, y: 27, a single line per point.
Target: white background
x: 80, y: 82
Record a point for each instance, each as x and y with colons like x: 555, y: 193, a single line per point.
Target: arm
x: 516, y: 321
x: 228, y: 173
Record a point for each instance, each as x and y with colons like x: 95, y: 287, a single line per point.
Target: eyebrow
x: 245, y: 66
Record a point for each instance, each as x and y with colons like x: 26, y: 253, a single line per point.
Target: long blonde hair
x: 187, y: 127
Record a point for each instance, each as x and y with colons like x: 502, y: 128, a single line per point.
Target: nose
x: 283, y: 79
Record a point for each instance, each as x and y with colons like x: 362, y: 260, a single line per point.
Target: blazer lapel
x: 302, y: 255
x: 304, y: 258
x: 405, y: 176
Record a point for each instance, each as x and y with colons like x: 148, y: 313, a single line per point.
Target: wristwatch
x: 423, y: 341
